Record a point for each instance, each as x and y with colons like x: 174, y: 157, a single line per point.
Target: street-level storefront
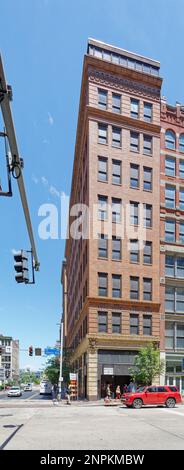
x: 113, y: 369
x: 175, y: 370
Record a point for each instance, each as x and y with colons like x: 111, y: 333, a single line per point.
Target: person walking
x: 68, y: 394
x: 54, y: 393
x: 108, y: 392
x: 125, y: 388
x: 118, y: 392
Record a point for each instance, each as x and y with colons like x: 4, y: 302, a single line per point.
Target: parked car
x: 152, y: 395
x: 14, y: 392
x: 28, y: 388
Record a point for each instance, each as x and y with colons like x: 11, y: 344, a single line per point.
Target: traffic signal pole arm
x: 5, y: 97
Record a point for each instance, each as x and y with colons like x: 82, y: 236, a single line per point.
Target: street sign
x: 108, y: 371
x: 73, y: 376
x: 52, y: 352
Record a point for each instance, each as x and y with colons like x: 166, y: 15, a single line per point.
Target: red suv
x: 152, y: 395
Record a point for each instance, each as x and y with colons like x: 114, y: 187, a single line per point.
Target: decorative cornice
x: 102, y: 302
x: 123, y: 84
x: 172, y: 118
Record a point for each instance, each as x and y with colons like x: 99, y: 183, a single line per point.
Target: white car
x: 14, y: 392
x: 28, y: 388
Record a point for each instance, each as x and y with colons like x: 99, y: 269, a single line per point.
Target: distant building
x: 9, y: 358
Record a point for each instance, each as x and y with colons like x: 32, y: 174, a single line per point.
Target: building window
x: 116, y: 171
x: 180, y: 336
x: 169, y: 298
x: 147, y: 288
x: 116, y: 137
x: 116, y: 248
x: 134, y: 251
x: 147, y: 325
x: 116, y: 322
x: 102, y: 322
x: 102, y: 99
x: 169, y: 266
x: 116, y: 103
x: 148, y: 112
x: 169, y: 335
x: 102, y: 133
x: 174, y: 299
x: 134, y: 216
x: 134, y: 288
x: 116, y: 210
x: 170, y: 231
x: 181, y: 232
x: 179, y: 262
x: 134, y: 141
x: 170, y: 140
x: 102, y: 246
x: 147, y: 254
x: 102, y: 284
x: 181, y: 169
x: 181, y: 199
x: 134, y: 176
x: 180, y: 299
x: 134, y: 324
x: 147, y: 179
x: 116, y: 285
x: 147, y: 215
x: 102, y: 169
x: 170, y: 165
x: 181, y: 143
x: 170, y: 197
x: 102, y: 207
x: 134, y: 108
x: 147, y: 144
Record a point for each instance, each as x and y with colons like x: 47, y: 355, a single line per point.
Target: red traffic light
x: 30, y: 350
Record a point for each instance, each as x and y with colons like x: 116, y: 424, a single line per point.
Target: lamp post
x: 61, y: 356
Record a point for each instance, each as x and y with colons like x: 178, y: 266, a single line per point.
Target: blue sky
x: 42, y: 43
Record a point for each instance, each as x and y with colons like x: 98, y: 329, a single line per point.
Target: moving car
x: 45, y: 387
x: 153, y: 395
x: 14, y: 392
x: 28, y: 388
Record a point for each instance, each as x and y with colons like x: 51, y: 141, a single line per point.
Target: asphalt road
x: 88, y: 426
x: 25, y: 395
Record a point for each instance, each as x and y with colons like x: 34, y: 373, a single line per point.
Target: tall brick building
x: 172, y: 240
x: 114, y: 280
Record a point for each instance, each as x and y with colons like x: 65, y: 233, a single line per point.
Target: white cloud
x: 35, y: 179
x: 50, y: 119
x: 44, y: 181
x: 14, y: 251
x: 54, y: 191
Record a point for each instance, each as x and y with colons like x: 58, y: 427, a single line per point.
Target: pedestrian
x: 54, y: 393
x: 118, y: 392
x: 68, y: 394
x: 108, y: 392
x: 125, y: 388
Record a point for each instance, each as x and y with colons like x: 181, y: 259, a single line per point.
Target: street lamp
x: 61, y: 356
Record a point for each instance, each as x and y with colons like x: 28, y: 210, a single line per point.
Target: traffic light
x: 21, y: 267
x: 30, y: 350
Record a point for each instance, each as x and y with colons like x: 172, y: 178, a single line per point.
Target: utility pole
x: 61, y: 356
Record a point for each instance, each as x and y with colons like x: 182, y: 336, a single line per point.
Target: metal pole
x: 61, y: 357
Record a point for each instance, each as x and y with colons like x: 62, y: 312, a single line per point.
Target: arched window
x: 181, y: 143
x: 170, y: 140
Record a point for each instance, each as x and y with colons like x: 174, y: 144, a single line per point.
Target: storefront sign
x: 108, y: 371
x: 73, y: 376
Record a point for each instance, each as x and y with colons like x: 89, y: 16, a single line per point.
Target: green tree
x: 66, y: 367
x: 147, y: 365
x: 52, y: 370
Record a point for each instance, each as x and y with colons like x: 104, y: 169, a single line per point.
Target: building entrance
x: 113, y: 381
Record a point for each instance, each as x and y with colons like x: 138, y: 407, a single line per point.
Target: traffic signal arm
x: 5, y: 97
